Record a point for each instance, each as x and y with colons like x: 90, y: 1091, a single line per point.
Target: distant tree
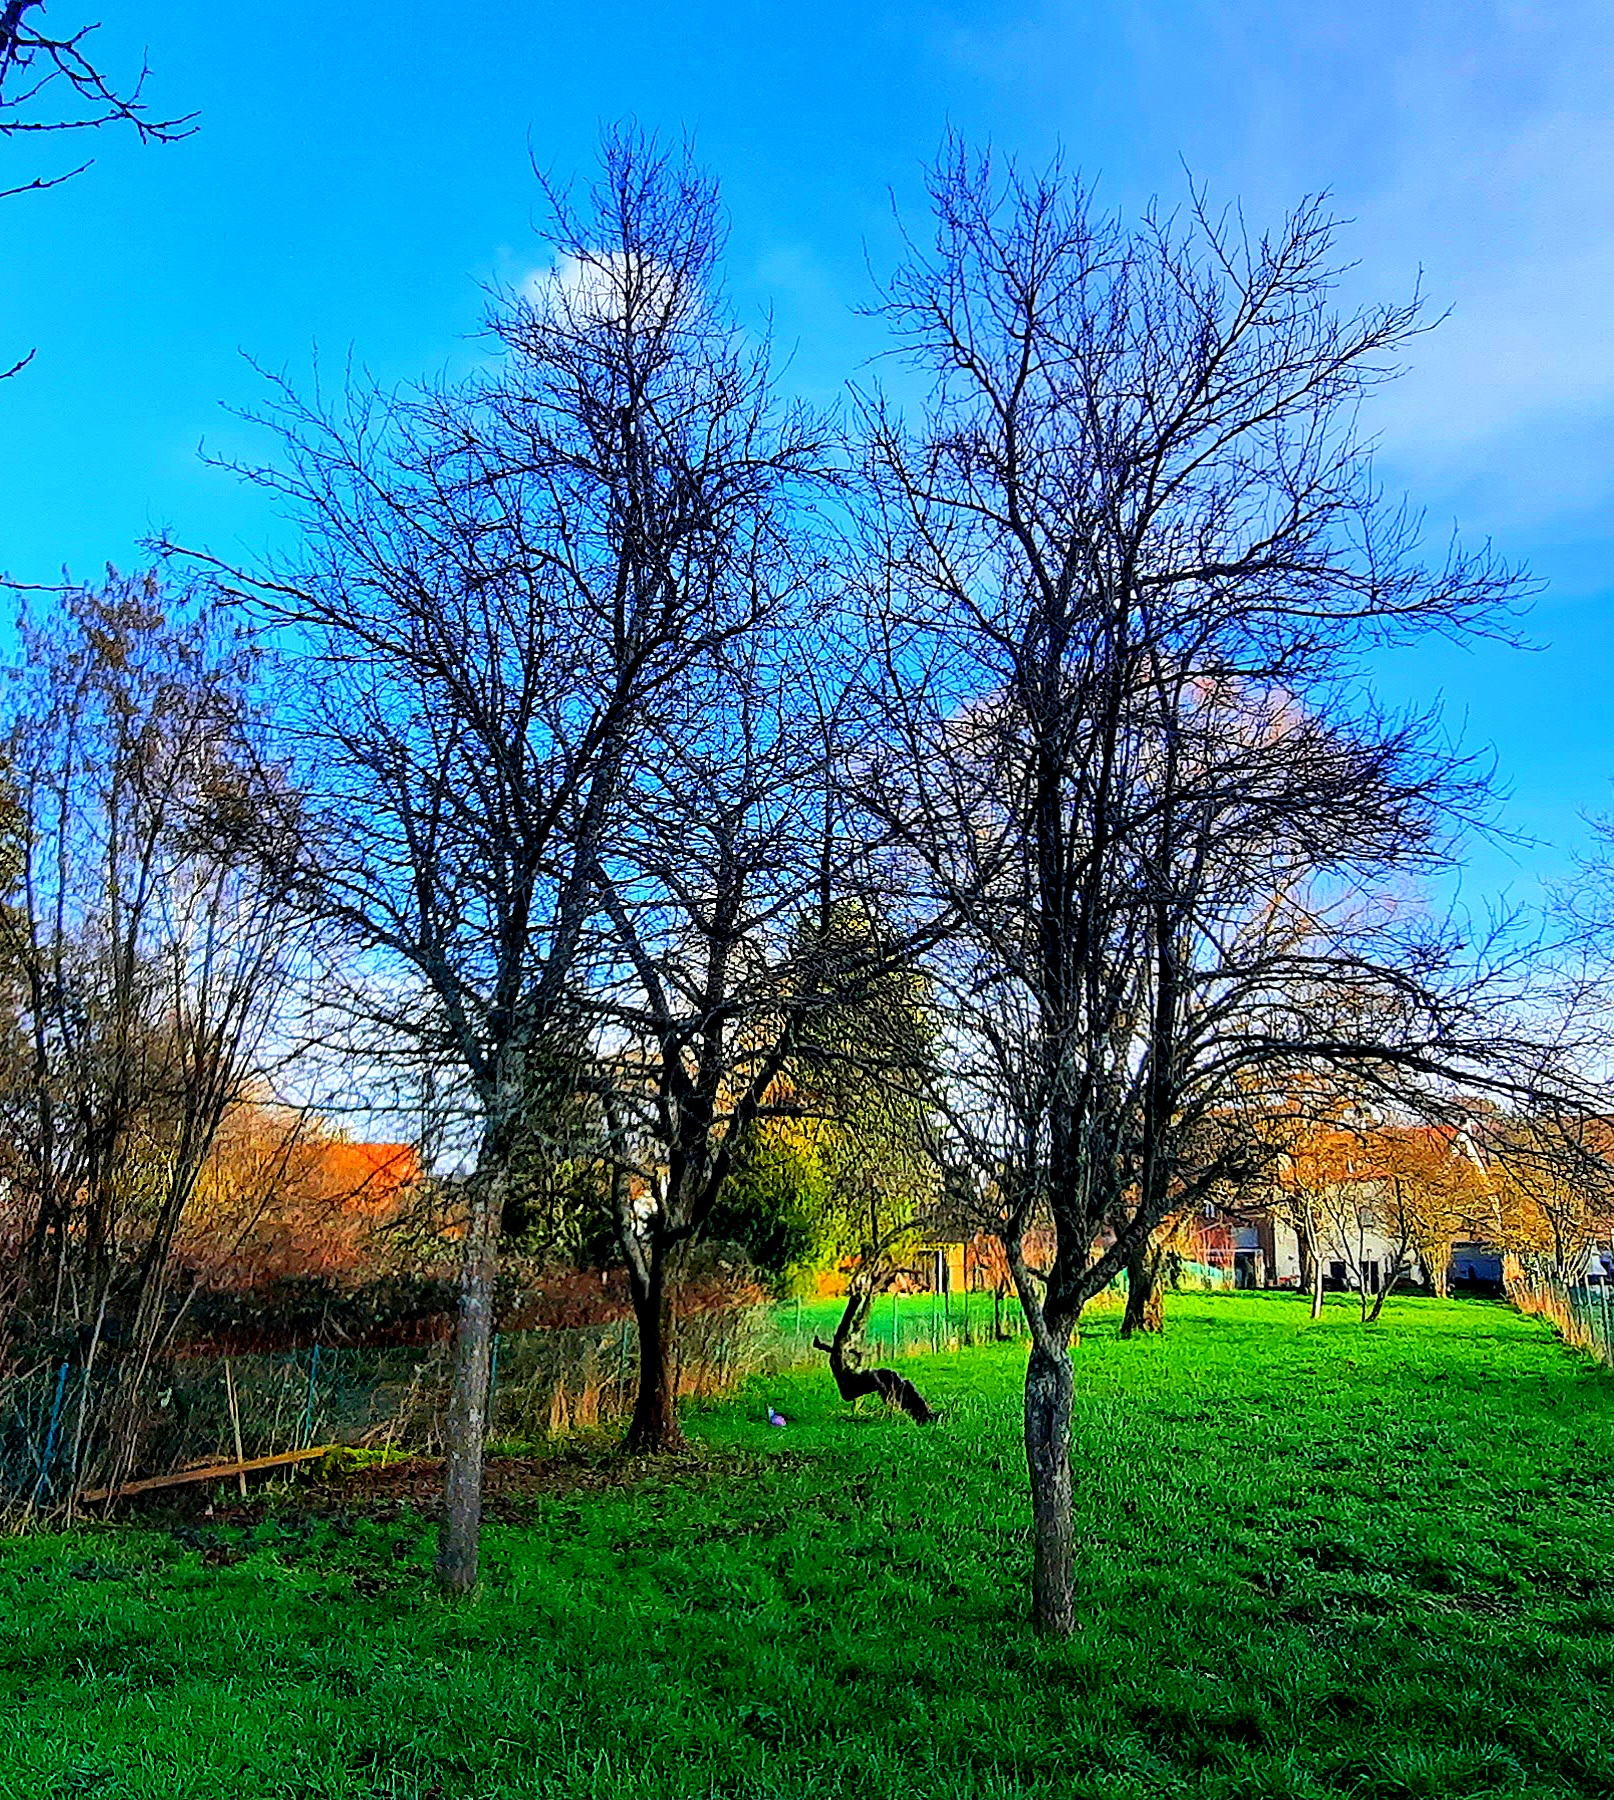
x: 841, y: 1175
x: 775, y: 1204
x: 1432, y: 1189
x: 1314, y: 1167
x: 284, y: 1195
x: 1552, y: 1188
x: 866, y: 1067
x: 147, y: 961
x: 1358, y: 1217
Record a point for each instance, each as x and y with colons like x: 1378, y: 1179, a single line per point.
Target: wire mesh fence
x: 917, y: 1324
x: 1583, y: 1314
x: 202, y: 1411
x: 199, y: 1411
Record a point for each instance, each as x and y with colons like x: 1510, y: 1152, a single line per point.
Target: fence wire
x: 192, y: 1412
x: 1583, y: 1315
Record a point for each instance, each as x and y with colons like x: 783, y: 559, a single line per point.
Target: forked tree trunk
x: 1050, y: 1383
x: 459, y: 1540
x: 1144, y: 1311
x: 1391, y: 1281
x: 654, y: 1428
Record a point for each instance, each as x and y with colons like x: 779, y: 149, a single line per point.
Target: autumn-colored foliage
x: 283, y: 1198
x: 1553, y: 1185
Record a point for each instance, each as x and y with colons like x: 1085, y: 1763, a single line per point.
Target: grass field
x: 1312, y: 1561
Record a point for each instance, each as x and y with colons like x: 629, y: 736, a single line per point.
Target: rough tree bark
x: 466, y: 1434
x: 1143, y: 1299
x: 1050, y: 1387
x: 1050, y: 1382
x: 654, y: 1429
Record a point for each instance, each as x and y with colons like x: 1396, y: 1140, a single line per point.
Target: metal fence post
x: 50, y: 1433
x: 308, y: 1404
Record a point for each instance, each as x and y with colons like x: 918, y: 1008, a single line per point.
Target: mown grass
x: 1312, y: 1561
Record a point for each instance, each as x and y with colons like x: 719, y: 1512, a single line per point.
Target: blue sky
x: 362, y: 172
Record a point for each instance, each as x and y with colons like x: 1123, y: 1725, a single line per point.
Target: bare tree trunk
x: 1311, y: 1257
x: 1390, y: 1282
x: 1306, y: 1250
x: 460, y: 1538
x: 1050, y: 1383
x: 1144, y: 1311
x: 654, y: 1429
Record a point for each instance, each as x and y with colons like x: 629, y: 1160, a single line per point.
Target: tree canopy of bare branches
x: 1126, y: 562
x: 506, y: 589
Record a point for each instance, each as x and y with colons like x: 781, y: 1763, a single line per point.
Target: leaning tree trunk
x: 854, y: 1382
x: 459, y: 1540
x: 1050, y: 1383
x: 1143, y: 1296
x: 1391, y: 1281
x: 654, y: 1429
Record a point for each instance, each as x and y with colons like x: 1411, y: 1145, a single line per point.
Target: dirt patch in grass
x: 511, y: 1486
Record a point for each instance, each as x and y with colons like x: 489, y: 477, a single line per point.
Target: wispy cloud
x: 1469, y: 140
x: 1500, y: 186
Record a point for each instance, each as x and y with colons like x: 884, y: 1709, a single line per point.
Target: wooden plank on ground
x: 212, y: 1472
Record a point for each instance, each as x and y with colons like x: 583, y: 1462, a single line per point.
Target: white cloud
x: 602, y: 286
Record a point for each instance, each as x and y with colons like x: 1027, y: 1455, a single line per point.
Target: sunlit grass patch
x: 1313, y: 1560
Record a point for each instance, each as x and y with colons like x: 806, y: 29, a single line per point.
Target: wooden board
x: 212, y: 1472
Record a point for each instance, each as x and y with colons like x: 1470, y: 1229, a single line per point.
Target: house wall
x: 1370, y: 1246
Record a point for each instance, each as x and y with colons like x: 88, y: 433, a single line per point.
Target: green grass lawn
x: 1312, y: 1560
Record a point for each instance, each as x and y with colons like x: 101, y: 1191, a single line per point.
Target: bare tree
x: 148, y: 961
x: 720, y: 893
x: 1127, y: 564
x: 502, y: 585
x: 52, y: 84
